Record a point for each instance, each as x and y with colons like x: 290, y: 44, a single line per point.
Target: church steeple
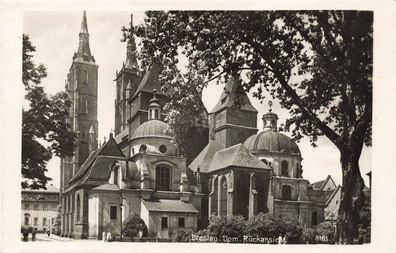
x: 131, y: 58
x: 84, y: 51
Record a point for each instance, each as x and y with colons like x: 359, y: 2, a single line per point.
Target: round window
x: 163, y: 149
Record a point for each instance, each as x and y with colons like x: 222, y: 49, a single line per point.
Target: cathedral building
x: 232, y: 168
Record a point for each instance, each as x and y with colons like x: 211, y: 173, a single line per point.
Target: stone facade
x: 40, y: 208
x: 232, y: 169
x: 82, y: 88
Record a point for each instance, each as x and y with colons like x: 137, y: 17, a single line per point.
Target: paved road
x: 51, y: 238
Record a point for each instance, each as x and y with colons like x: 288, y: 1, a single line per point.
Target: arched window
x: 314, y: 218
x: 214, y: 197
x: 115, y: 176
x: 286, y: 192
x: 264, y: 161
x: 78, y: 207
x: 162, y: 178
x: 85, y: 77
x: 242, y: 195
x: 223, y: 197
x: 156, y: 114
x: 285, y: 168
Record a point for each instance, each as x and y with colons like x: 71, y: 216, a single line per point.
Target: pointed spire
x: 234, y: 96
x: 84, y: 52
x: 131, y: 59
x: 84, y: 25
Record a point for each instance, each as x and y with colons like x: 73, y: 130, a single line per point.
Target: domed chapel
x: 235, y: 168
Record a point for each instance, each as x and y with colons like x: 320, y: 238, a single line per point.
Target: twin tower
x: 131, y: 104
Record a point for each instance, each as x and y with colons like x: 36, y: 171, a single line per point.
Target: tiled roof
x: 118, y: 138
x: 169, y: 205
x: 204, y: 158
x: 107, y: 187
x: 50, y: 189
x: 318, y: 185
x: 321, y: 184
x: 150, y: 80
x: 234, y: 95
x: 237, y: 156
x: 109, y: 148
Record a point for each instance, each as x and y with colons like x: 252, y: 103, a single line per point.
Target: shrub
x: 132, y: 225
x: 265, y: 225
x: 230, y: 226
x: 322, y: 233
x: 326, y: 229
x: 182, y: 235
x: 308, y: 235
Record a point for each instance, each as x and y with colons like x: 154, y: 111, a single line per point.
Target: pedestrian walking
x: 33, y: 235
x: 25, y: 236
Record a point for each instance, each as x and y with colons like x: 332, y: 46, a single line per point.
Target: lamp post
x: 121, y: 206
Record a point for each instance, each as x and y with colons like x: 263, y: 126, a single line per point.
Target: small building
x: 39, y: 208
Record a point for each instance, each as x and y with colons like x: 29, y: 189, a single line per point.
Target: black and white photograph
x: 153, y: 127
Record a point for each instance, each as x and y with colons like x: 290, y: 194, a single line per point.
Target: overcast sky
x: 55, y: 35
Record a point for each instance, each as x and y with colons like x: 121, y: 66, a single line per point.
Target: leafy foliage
x: 230, y: 226
x: 265, y: 225
x: 44, y: 128
x: 132, y: 225
x: 317, y: 64
x: 322, y: 233
x: 182, y: 235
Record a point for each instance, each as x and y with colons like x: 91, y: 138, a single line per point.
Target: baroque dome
x: 151, y: 128
x: 271, y: 142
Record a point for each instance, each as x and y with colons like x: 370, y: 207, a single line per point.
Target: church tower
x: 233, y: 119
x: 82, y: 88
x: 127, y: 81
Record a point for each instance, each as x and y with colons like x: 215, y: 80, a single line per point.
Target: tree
x: 132, y: 225
x: 44, y: 128
x: 318, y: 64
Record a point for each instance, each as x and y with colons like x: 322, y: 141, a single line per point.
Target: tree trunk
x: 352, y: 197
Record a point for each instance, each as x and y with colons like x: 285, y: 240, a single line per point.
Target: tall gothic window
x: 285, y: 168
x: 78, y: 207
x: 213, y: 210
x: 162, y: 178
x: 223, y: 196
x: 286, y: 192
